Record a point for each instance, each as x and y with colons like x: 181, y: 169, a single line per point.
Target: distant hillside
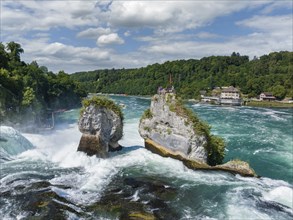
x: 270, y: 73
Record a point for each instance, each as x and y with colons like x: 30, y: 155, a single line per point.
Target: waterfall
x: 12, y: 143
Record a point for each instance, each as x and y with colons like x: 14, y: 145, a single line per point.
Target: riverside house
x: 267, y: 96
x: 230, y: 96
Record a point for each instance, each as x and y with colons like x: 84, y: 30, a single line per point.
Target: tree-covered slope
x: 27, y: 91
x: 269, y: 73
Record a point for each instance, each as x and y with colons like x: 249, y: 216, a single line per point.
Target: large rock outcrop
x: 171, y: 130
x: 101, y: 124
x: 163, y: 124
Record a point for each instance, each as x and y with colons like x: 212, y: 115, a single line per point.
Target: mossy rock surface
x: 141, y: 216
x: 101, y: 101
x: 171, y: 124
x: 101, y: 125
x: 215, y: 146
x: 235, y: 166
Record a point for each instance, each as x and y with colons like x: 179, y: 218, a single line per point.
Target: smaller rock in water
x: 101, y: 123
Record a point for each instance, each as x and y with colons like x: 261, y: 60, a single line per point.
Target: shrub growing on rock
x: 101, y: 125
x: 215, y: 145
x: 102, y: 101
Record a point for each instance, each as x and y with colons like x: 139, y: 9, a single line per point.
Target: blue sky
x: 87, y: 35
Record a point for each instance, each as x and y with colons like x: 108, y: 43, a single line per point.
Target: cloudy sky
x: 90, y: 34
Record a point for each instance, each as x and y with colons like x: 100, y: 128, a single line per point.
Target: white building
x: 267, y: 96
x: 230, y: 93
x: 230, y: 96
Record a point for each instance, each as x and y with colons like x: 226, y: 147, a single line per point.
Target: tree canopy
x: 26, y: 89
x: 268, y: 73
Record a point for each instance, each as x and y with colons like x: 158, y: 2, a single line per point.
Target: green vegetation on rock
x: 147, y: 114
x: 102, y: 101
x: 216, y: 149
x: 215, y: 145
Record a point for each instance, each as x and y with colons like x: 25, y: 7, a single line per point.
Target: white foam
x: 135, y: 197
x: 6, y: 180
x: 13, y: 142
x: 57, y: 146
x: 281, y: 194
x: 131, y: 136
x: 262, y: 150
x: 60, y: 148
x: 242, y: 208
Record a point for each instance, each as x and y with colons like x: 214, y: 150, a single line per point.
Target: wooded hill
x: 28, y: 91
x: 268, y: 73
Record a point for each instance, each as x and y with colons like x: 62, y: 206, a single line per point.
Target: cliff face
x: 162, y: 124
x: 102, y: 128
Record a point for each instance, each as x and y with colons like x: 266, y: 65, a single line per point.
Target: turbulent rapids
x: 50, y: 180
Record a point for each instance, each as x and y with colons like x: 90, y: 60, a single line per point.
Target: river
x: 53, y: 181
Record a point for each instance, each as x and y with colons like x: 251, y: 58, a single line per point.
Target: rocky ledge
x: 171, y: 130
x: 101, y: 124
x: 234, y: 166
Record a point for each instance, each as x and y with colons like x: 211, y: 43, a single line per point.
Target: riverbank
x: 262, y: 104
x: 119, y: 95
x: 267, y: 104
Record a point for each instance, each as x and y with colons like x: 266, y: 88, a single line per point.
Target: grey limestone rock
x: 102, y: 128
x: 171, y: 130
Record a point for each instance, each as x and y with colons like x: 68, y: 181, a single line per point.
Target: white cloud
x: 206, y: 35
x: 157, y: 28
x: 109, y: 39
x: 171, y: 16
x: 26, y: 16
x: 277, y: 5
x: 57, y: 56
x: 93, y: 32
x: 274, y: 33
x: 270, y: 24
x: 257, y: 43
x: 270, y: 33
x: 127, y: 33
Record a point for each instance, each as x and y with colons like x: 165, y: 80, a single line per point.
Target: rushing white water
x: 82, y: 180
x: 12, y: 143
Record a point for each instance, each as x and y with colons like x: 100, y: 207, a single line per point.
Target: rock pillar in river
x: 101, y: 124
x: 172, y: 130
x: 167, y: 124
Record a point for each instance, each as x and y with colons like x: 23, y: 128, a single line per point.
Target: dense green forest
x: 29, y: 91
x: 268, y: 73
